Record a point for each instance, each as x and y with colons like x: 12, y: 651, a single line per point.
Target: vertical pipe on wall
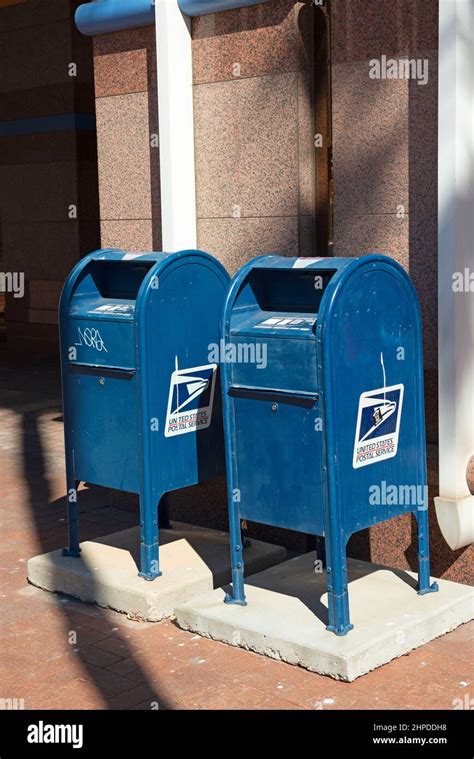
x: 176, y: 129
x: 455, y: 505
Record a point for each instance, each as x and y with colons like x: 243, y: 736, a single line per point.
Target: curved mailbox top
x: 117, y: 284
x: 301, y: 288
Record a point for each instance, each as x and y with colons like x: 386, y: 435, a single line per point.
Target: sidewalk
x: 60, y: 653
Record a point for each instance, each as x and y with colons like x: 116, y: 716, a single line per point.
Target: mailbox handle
x: 104, y: 371
x: 303, y: 397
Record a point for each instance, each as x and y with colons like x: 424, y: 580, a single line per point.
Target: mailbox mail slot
x: 330, y: 418
x: 142, y: 407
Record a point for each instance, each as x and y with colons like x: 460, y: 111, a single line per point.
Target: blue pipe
x: 103, y: 16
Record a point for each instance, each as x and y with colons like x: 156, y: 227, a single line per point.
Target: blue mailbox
x: 323, y: 406
x: 142, y: 407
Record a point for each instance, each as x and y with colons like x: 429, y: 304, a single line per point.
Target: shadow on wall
x: 251, y: 18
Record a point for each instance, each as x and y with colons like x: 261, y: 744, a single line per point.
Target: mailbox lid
x: 100, y: 342
x: 98, y: 307
x: 107, y: 285
x: 275, y: 358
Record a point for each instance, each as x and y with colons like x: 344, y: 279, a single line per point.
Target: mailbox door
x: 277, y: 437
x: 279, y: 460
x: 103, y: 426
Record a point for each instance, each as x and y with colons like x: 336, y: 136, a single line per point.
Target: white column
x: 455, y: 506
x: 176, y: 137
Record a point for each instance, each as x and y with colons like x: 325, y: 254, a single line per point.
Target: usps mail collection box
x: 142, y: 400
x: 323, y: 406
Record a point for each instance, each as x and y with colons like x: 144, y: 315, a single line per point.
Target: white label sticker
x: 191, y: 399
x: 302, y: 263
x: 299, y: 323
x: 114, y: 308
x: 131, y: 256
x: 378, y: 425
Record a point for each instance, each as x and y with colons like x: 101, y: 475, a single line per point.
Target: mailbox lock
x: 102, y: 381
x: 274, y: 406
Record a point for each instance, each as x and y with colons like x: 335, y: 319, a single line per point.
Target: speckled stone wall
x: 385, y: 149
x: 128, y: 154
x: 253, y: 134
x: 254, y: 131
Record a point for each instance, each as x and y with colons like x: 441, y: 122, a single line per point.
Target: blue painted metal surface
x: 142, y: 401
x: 103, y: 16
x: 323, y: 406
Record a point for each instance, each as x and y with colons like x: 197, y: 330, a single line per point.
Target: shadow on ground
x: 30, y: 392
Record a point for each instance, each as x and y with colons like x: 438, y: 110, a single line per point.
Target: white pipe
x: 455, y: 505
x: 176, y: 127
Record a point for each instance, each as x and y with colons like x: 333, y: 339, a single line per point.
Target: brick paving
x: 58, y: 653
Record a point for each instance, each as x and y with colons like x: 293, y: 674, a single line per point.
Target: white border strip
x: 455, y: 506
x: 176, y: 137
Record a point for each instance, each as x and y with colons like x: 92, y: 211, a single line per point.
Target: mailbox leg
x: 73, y: 548
x: 338, y: 596
x: 149, y: 545
x: 424, y: 585
x: 238, y: 591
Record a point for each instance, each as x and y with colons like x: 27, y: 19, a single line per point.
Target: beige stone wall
x: 127, y: 117
x: 385, y: 149
x: 254, y: 132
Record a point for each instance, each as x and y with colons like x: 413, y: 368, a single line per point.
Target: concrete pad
x: 286, y: 616
x: 193, y: 560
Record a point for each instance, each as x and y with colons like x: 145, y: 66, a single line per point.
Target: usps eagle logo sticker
x: 378, y: 425
x: 190, y: 400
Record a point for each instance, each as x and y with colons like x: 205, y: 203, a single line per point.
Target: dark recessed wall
x: 48, y: 161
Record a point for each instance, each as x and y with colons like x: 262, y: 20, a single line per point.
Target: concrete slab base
x: 193, y: 560
x: 286, y: 616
